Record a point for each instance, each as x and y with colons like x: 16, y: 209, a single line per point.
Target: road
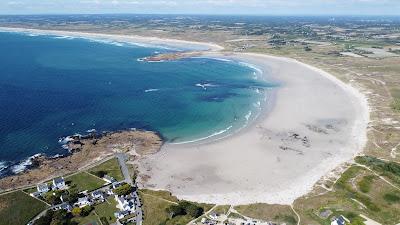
x: 125, y: 171
x: 128, y: 179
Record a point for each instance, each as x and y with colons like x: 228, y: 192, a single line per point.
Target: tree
x: 104, y: 221
x: 86, y: 210
x: 76, y: 211
x: 191, y: 209
x: 175, y: 210
x: 125, y: 189
x: 194, y: 210
x: 46, y: 219
x: 100, y: 173
x: 52, y: 198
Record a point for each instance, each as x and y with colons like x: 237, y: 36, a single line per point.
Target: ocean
x: 55, y: 86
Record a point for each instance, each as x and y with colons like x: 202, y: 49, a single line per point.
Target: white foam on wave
x: 3, y: 165
x: 91, y: 130
x: 65, y: 140
x: 151, y: 90
x: 213, y: 58
x: 257, y: 70
x: 248, y: 115
x: 21, y: 167
x: 206, y: 85
x: 64, y: 37
x: 205, y: 138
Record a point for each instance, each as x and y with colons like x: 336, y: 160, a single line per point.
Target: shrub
x: 125, y: 189
x: 76, y: 211
x: 365, y: 183
x: 391, y: 198
x: 86, y: 210
x: 175, y: 210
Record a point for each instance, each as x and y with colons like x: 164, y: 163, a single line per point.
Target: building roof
x: 83, y: 199
x: 97, y: 192
x: 42, y: 186
x: 58, y: 180
x: 110, y: 178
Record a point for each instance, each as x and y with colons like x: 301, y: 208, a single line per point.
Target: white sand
x: 329, y: 117
x: 250, y: 166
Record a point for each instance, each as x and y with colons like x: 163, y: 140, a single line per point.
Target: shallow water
x: 52, y: 87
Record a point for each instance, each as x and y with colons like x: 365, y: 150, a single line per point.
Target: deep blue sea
x: 52, y: 87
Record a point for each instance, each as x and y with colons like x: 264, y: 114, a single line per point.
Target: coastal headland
x: 314, y: 124
x: 85, y: 151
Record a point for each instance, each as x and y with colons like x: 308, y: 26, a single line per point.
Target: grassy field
x: 266, y: 212
x: 107, y: 209
x: 110, y: 167
x: 161, y: 194
x: 19, y: 208
x: 155, y: 204
x: 92, y: 218
x: 154, y: 209
x: 84, y: 181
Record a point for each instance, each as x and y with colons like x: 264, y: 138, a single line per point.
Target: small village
x: 127, y: 209
x: 91, y: 197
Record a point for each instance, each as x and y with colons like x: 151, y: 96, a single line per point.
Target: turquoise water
x: 52, y: 87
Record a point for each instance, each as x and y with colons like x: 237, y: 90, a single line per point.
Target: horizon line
x: 205, y: 14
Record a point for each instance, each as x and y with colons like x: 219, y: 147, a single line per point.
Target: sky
x: 247, y: 7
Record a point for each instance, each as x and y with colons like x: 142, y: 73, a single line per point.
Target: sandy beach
x: 315, y: 123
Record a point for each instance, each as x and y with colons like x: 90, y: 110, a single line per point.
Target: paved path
x: 121, y: 160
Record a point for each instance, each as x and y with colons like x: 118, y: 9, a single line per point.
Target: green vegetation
x: 106, y: 210
x: 365, y: 183
x: 110, y: 167
x: 89, y: 219
x: 168, y: 211
x: 84, y: 181
x: 388, y: 169
x: 276, y: 213
x: 391, y: 198
x: 184, y: 208
x: 19, y: 208
x: 55, y: 217
x: 343, y: 183
x: 161, y: 194
x: 124, y: 189
x: 221, y: 209
x: 396, y: 105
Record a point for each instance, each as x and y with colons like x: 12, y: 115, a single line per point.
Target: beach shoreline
x: 317, y: 123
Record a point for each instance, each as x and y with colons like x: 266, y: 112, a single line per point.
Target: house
x: 121, y: 214
x: 59, y: 183
x: 35, y: 194
x: 341, y: 220
x: 214, y: 216
x: 109, y: 179
x: 116, y: 184
x: 64, y: 206
x: 42, y: 188
x: 125, y: 204
x: 98, y: 195
x: 84, y: 201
